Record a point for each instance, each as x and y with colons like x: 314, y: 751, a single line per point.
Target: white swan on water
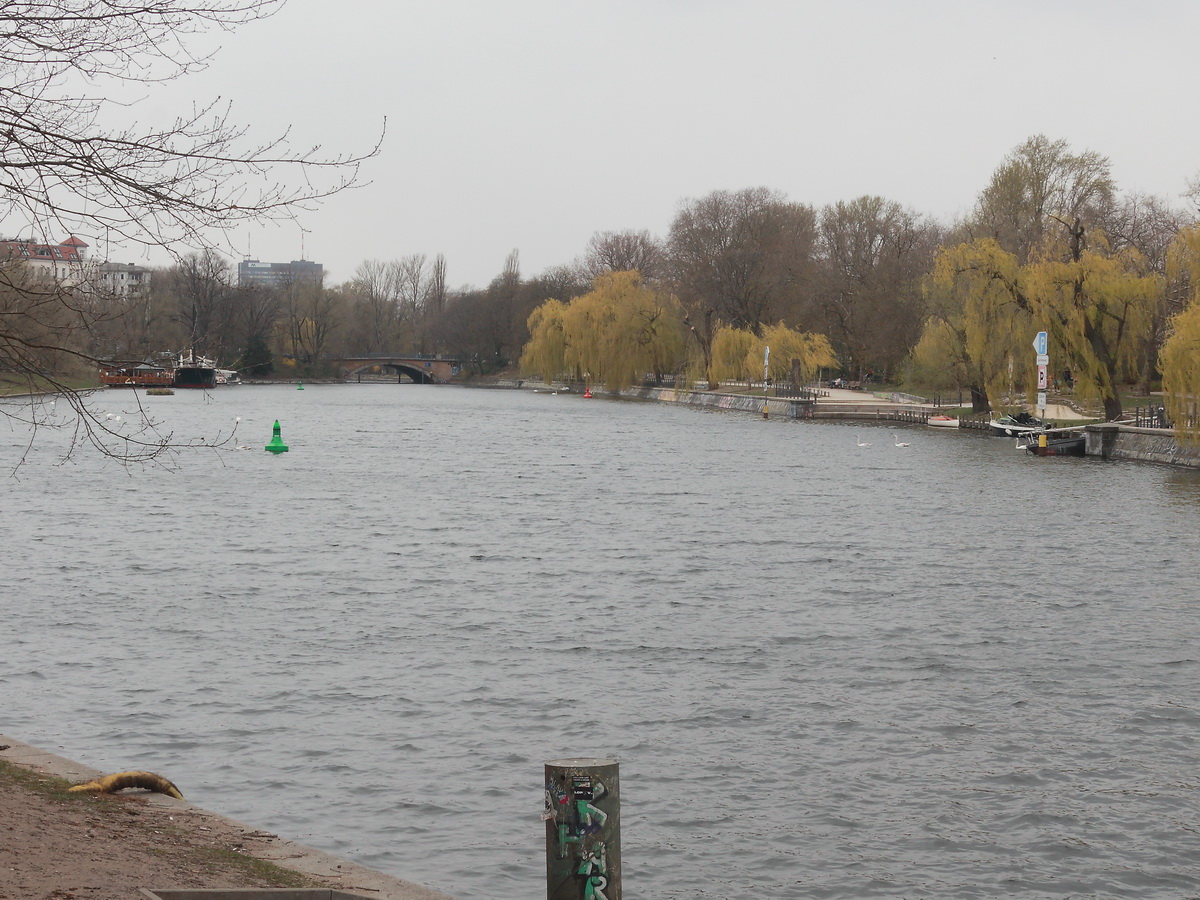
x: 861, y: 442
x: 899, y: 443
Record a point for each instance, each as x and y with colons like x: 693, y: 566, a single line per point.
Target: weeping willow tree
x: 988, y: 323
x: 731, y: 354
x: 546, y: 352
x: 613, y: 335
x: 738, y: 353
x: 1094, y: 307
x: 940, y: 360
x: 1097, y: 309
x: 799, y: 353
x: 1179, y: 359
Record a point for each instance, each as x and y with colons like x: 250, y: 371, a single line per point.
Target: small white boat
x: 942, y: 422
x: 1011, y: 426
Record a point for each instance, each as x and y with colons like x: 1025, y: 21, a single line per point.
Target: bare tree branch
x: 66, y: 167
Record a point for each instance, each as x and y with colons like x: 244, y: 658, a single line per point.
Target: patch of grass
x: 49, y: 786
x: 215, y: 859
x: 14, y: 387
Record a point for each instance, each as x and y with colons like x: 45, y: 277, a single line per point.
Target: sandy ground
x: 105, y: 848
x: 58, y: 845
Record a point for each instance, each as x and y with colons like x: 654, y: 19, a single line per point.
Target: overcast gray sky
x: 532, y: 124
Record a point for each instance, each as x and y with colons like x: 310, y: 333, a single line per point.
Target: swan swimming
x: 861, y: 442
x: 899, y: 443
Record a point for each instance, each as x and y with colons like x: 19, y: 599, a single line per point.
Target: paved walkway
x: 1062, y: 412
x: 1057, y: 411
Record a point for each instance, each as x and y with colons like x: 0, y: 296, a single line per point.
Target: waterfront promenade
x: 106, y: 848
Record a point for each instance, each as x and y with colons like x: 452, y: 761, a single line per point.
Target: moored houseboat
x: 195, y: 372
x: 135, y: 375
x: 182, y: 371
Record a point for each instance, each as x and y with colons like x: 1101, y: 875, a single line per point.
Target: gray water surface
x: 947, y: 670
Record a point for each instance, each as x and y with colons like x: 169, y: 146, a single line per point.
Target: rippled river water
x: 946, y: 670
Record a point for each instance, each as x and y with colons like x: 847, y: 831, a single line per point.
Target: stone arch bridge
x: 421, y: 369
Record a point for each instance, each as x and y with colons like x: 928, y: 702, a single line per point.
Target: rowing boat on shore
x: 942, y: 422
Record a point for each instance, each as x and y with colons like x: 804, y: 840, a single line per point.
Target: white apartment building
x: 67, y: 263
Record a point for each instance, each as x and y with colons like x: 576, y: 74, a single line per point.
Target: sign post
x: 1041, y: 348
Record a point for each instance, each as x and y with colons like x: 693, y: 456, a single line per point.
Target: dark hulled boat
x: 1057, y: 443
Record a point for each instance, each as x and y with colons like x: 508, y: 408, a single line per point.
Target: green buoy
x: 277, y: 445
x: 301, y: 386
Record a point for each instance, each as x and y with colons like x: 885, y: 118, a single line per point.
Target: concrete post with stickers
x: 583, y: 829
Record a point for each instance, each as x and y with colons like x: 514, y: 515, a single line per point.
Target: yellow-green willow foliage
x: 1095, y: 308
x: 1179, y: 359
x: 990, y: 320
x: 812, y: 350
x: 614, y: 335
x: 731, y: 355
x: 939, y: 358
x: 546, y: 352
x: 738, y: 353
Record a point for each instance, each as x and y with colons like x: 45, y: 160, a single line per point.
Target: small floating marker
x: 300, y: 386
x: 587, y: 393
x: 277, y: 445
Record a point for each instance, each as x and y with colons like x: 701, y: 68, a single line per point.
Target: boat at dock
x: 195, y: 372
x: 169, y: 370
x: 942, y: 422
x: 136, y: 375
x: 1058, y: 442
x: 1014, y: 425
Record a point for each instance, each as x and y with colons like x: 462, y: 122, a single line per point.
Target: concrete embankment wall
x: 1156, y: 445
x: 776, y: 406
x: 1125, y: 442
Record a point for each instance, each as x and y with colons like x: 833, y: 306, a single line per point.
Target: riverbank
x: 59, y: 845
x: 1113, y: 441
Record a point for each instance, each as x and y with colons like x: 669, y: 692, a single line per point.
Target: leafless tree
x: 63, y: 171
x: 746, y: 255
x: 1039, y: 181
x: 437, y: 286
x: 376, y: 293
x: 412, y: 282
x: 873, y: 256
x: 742, y: 258
x: 137, y: 324
x: 259, y: 308
x: 624, y: 251
x: 71, y: 164
x: 202, y: 287
x: 311, y: 312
